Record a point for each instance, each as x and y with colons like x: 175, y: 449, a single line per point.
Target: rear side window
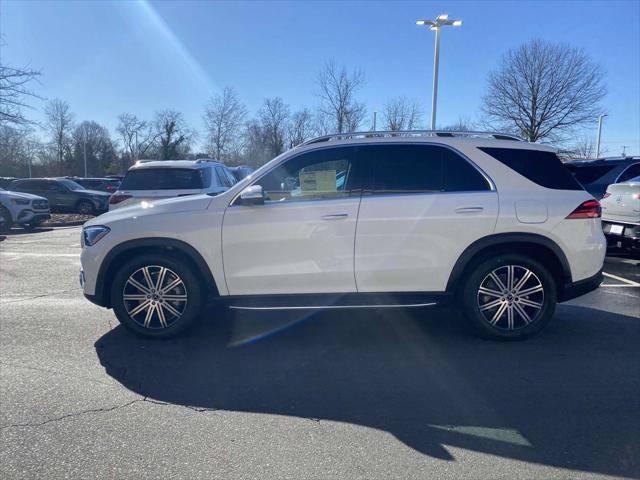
x: 164, y: 179
x: 409, y: 169
x: 589, y: 173
x: 543, y: 168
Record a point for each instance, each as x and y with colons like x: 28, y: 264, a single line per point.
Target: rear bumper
x: 576, y: 289
x: 628, y: 240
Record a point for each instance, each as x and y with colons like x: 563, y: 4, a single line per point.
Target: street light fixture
x: 441, y: 20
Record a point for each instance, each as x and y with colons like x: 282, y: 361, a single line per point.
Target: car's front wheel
x: 5, y: 220
x: 508, y: 297
x: 85, y: 207
x: 156, y: 296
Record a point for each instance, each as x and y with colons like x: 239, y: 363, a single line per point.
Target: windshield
x: 164, y: 179
x: 71, y: 185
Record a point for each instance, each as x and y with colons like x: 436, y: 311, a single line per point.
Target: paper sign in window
x: 319, y: 181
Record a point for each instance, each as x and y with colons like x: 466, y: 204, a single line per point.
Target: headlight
x: 19, y: 201
x: 92, y: 235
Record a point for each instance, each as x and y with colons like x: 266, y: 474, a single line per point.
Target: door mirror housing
x: 252, y: 195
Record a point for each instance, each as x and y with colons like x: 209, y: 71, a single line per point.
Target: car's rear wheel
x: 156, y: 296
x: 84, y: 207
x: 5, y: 220
x: 508, y: 297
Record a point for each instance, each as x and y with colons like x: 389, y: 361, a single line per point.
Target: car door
x: 301, y: 239
x: 421, y: 207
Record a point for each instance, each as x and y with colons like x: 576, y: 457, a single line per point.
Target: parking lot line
x: 626, y: 282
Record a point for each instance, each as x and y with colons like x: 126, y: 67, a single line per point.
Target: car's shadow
x: 16, y: 231
x: 566, y: 398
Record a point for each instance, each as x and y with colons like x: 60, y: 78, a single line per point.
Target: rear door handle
x: 335, y: 216
x: 469, y: 209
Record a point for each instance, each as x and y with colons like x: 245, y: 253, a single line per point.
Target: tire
x: 30, y: 227
x: 85, y: 207
x: 169, y: 316
x: 5, y: 220
x: 499, y: 313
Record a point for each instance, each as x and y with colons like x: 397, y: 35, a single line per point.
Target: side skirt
x: 334, y: 301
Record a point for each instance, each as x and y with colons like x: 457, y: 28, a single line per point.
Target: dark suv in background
x: 64, y: 195
x: 596, y: 175
x: 108, y: 185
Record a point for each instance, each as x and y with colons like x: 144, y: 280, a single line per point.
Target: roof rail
x: 412, y: 133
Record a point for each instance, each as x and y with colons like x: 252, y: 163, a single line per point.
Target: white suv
x: 402, y: 219
x: 150, y: 180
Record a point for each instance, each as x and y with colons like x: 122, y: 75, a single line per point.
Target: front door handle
x: 469, y: 209
x: 335, y: 216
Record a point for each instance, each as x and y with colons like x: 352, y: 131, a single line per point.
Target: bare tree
x: 17, y: 150
x: 136, y: 136
x: 337, y: 89
x: 59, y: 124
x: 460, y: 125
x: 224, y: 118
x: 583, y: 147
x: 14, y: 90
x: 400, y: 113
x: 172, y: 134
x: 301, y: 127
x: 542, y: 90
x: 273, y: 116
x: 92, y: 143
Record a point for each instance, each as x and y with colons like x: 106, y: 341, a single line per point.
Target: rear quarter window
x: 542, y: 168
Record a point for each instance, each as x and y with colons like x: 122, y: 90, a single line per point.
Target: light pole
x: 441, y: 21
x: 600, y: 117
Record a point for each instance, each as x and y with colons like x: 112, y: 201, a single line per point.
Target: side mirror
x: 252, y: 195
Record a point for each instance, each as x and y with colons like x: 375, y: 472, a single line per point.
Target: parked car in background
x: 495, y: 226
x: 65, y: 195
x: 596, y: 175
x: 241, y: 171
x: 621, y: 214
x: 23, y: 209
x: 157, y: 179
x: 108, y: 185
x: 6, y: 181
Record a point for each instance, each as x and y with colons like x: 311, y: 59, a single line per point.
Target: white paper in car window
x: 319, y: 181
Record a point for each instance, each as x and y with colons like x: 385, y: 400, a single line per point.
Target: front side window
x: 410, y: 169
x: 321, y: 174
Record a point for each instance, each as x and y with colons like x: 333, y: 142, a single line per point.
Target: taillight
x: 588, y: 209
x: 113, y: 199
x: 606, y: 195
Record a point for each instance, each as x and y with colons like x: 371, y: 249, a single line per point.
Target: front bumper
x: 30, y: 216
x: 572, y: 290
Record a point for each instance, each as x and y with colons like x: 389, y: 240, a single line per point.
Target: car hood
x: 160, y: 207
x: 26, y: 196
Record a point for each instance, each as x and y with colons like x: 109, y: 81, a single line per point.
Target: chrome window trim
x: 492, y: 185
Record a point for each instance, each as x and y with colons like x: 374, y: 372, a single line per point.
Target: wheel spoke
x: 140, y: 308
x: 147, y: 319
x: 163, y: 320
x: 497, y: 281
x: 492, y: 304
x: 170, y: 308
x: 171, y: 286
x: 138, y: 285
x: 524, y: 315
x: 147, y: 277
x: 160, y: 281
x: 175, y: 298
x: 529, y: 303
x: 490, y: 292
x: 499, y: 313
x: 510, y: 275
x: 530, y: 291
x: 129, y: 297
x: 510, y: 317
x: 522, y: 281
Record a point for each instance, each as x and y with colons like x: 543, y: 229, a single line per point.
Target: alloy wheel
x: 155, y: 297
x: 510, y: 297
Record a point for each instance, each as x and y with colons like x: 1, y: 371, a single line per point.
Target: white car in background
x: 492, y: 224
x: 22, y: 209
x: 621, y: 214
x: 154, y: 180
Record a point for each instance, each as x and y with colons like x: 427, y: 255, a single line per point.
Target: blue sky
x: 105, y: 58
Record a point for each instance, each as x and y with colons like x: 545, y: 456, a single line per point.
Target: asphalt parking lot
x: 393, y: 394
